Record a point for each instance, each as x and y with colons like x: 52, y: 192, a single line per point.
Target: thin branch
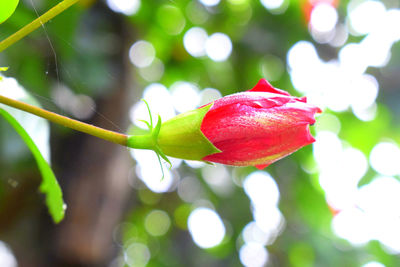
x: 36, y: 23
x: 107, y: 135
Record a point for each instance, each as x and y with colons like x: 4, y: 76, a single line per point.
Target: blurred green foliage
x: 80, y: 49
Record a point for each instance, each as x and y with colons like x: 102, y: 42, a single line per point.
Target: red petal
x: 302, y: 99
x: 262, y: 166
x: 264, y: 86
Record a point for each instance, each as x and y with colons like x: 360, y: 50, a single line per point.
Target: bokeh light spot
x: 261, y: 189
x: 157, y: 223
x: 253, y: 254
x: 142, y: 54
x: 365, y: 16
x: 190, y: 189
x: 185, y: 96
x: 373, y: 264
x: 254, y: 234
x: 137, y: 255
x: 272, y: 4
x: 153, y: 72
x: 323, y: 18
x: 384, y: 158
x: 123, y: 6
x: 218, y: 178
x: 350, y: 224
x: 210, y: 2
x: 194, y: 41
x: 149, y: 171
x: 208, y: 95
x: 206, y: 227
x: 7, y: 258
x: 160, y: 102
x: 171, y: 19
x: 218, y: 47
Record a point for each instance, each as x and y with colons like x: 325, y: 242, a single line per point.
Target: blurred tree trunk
x: 97, y: 190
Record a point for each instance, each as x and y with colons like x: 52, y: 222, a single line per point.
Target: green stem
x: 107, y: 135
x: 36, y: 23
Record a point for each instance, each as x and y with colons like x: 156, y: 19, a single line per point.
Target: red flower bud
x: 258, y: 127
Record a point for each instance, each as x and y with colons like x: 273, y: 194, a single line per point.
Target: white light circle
x: 272, y: 4
x: 210, y: 2
x: 153, y: 72
x: 142, y: 54
x: 384, y: 158
x: 364, y: 93
x: 301, y: 53
x: 261, y: 189
x: 253, y: 255
x: 160, y: 102
x: 7, y: 258
x: 253, y: 233
x: 206, y: 227
x: 137, y: 255
x: 352, y: 59
x: 194, y: 41
x: 152, y: 176
x: 323, y: 17
x: 373, y: 264
x: 365, y: 17
x: 352, y: 224
x: 218, y: 47
x: 185, y: 96
x: 123, y: 6
x: 209, y: 95
x: 380, y: 197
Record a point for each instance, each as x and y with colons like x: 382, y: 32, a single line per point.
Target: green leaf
x: 49, y: 185
x: 7, y: 8
x: 35, y: 133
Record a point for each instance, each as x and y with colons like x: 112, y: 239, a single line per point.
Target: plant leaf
x: 7, y: 8
x: 49, y: 185
x: 35, y: 133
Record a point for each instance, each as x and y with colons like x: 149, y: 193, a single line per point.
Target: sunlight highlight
x: 7, y: 258
x: 323, y: 17
x: 206, y: 227
x: 364, y: 17
x: 137, y: 255
x: 194, y: 41
x: 341, y: 169
x: 268, y: 222
x: 384, y: 158
x: 142, y: 54
x: 253, y: 254
x: 185, y: 96
x: 218, y: 47
x: 123, y: 6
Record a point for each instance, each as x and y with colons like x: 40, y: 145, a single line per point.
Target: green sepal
x: 181, y: 137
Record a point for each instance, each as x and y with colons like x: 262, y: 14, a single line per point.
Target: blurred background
x: 333, y: 203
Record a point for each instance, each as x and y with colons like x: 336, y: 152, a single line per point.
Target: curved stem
x: 54, y: 11
x: 107, y: 135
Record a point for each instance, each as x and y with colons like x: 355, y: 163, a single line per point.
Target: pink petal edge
x: 264, y: 86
